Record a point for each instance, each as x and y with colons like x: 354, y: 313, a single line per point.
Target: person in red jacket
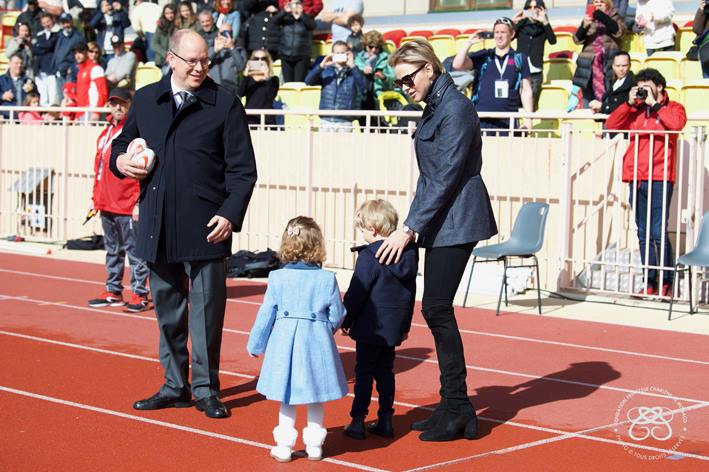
x: 91, y: 88
x: 654, y: 123
x: 117, y: 201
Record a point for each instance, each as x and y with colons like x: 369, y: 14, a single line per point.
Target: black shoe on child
x: 355, y: 429
x: 382, y: 427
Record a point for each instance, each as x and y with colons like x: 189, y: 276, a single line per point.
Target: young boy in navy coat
x: 380, y: 305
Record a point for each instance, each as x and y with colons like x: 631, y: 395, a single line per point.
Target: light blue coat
x: 300, y: 313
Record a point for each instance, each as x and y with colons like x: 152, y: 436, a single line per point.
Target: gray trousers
x: 189, y: 299
x: 119, y: 240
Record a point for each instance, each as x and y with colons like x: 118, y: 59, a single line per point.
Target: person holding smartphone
x: 259, y: 86
x: 228, y: 59
x: 533, y: 31
x: 296, y: 41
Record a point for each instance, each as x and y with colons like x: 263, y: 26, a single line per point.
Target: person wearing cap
x: 68, y: 38
x: 502, y: 77
x: 109, y: 21
x: 91, y: 88
x: 120, y: 70
x: 117, y: 202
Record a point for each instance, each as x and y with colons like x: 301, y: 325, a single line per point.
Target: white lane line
x: 400, y: 356
x: 178, y: 427
x: 238, y: 374
x: 578, y: 434
x: 419, y: 325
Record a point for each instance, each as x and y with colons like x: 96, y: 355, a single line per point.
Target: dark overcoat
x: 380, y: 298
x: 451, y: 205
x: 205, y: 167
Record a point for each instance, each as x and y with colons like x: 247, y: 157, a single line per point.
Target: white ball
x: 135, y: 146
x: 140, y: 152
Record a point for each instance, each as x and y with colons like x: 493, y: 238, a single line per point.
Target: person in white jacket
x: 654, y: 19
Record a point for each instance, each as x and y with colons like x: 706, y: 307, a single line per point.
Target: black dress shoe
x: 355, y: 429
x: 160, y: 401
x: 452, y: 425
x: 212, y: 407
x: 382, y: 427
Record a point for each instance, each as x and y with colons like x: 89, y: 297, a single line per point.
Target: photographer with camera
x: 111, y: 20
x: 650, y: 118
x: 296, y: 41
x: 502, y: 76
x: 700, y: 26
x: 259, y: 85
x: 533, y: 31
x: 228, y: 59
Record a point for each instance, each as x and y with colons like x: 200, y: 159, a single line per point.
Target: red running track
x: 551, y: 393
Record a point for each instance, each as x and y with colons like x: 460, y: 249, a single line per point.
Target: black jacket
x: 43, y: 51
x: 380, y: 299
x: 262, y: 32
x: 205, y: 166
x: 531, y: 36
x: 296, y: 35
x: 612, y: 99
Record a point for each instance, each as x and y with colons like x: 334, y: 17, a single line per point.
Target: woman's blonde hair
x: 373, y: 38
x: 302, y: 240
x: 379, y: 214
x: 417, y: 52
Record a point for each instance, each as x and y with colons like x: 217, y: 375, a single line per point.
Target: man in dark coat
x: 190, y: 204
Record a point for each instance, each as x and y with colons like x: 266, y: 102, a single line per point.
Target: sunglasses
x: 259, y: 58
x: 408, y: 79
x: 93, y: 51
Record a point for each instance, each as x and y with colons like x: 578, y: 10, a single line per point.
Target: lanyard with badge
x: 502, y: 87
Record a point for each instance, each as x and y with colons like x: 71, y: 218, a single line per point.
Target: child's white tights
x: 285, y: 433
x: 286, y: 415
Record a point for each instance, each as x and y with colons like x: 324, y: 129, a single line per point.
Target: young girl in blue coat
x: 300, y: 313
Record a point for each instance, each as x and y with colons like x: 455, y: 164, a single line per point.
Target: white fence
x: 591, y: 243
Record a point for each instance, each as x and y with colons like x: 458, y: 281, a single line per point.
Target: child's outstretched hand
x: 345, y: 331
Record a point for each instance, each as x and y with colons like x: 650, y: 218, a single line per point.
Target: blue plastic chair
x: 699, y: 256
x: 525, y: 241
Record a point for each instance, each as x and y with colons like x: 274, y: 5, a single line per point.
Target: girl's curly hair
x: 302, y: 240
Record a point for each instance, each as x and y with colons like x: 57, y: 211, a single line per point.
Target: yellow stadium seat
x: 667, y: 66
x: 406, y: 39
x: 684, y: 40
x: 3, y: 67
x: 632, y: 43
x: 295, y: 85
x: 146, y: 74
x: 3, y: 56
x: 290, y: 97
x: 694, y: 95
x: 674, y: 89
x: 389, y: 46
x: 567, y: 84
x: 9, y: 18
x: 319, y: 48
x: 578, y: 123
x: 310, y: 97
x: 558, y: 69
x: 636, y: 61
x: 564, y: 42
x: 690, y: 71
x: 553, y: 98
x: 443, y: 45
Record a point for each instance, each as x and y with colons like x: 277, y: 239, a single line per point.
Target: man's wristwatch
x: 409, y: 231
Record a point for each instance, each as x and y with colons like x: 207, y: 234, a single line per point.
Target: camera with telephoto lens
x: 641, y: 94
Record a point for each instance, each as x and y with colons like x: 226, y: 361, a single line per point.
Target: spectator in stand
x: 186, y: 19
x: 262, y: 32
x: 338, y: 14
x: 310, y: 7
x: 259, y: 86
x: 31, y: 100
x: 21, y: 44
x: 354, y: 40
x: 618, y: 87
x: 533, y: 31
x: 91, y: 88
x: 651, y: 118
x: 144, y: 18
x: 14, y: 84
x: 374, y: 64
x: 88, y: 31
x: 96, y: 55
x: 117, y: 201
x: 342, y: 85
x: 700, y: 26
x: 600, y: 33
x: 653, y: 18
x: 31, y: 16
x: 110, y: 21
x: 208, y: 30
x: 502, y: 76
x: 120, y: 71
x: 43, y: 51
x: 63, y: 60
x: 296, y: 41
x: 228, y: 59
x: 226, y: 12
x: 161, y: 39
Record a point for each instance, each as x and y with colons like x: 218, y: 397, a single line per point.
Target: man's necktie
x: 183, y: 99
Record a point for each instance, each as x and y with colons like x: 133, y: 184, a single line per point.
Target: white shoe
x: 285, y: 440
x: 314, y: 438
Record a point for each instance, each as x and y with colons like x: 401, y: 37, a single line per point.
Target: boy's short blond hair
x: 379, y: 214
x: 302, y: 240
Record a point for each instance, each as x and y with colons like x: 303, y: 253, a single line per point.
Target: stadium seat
x: 580, y: 122
x: 567, y: 84
x: 395, y: 36
x: 310, y: 97
x: 690, y: 71
x: 146, y: 74
x: 689, y: 24
x: 565, y: 29
x: 470, y: 31
x: 684, y: 39
x: 674, y: 90
x: 694, y: 96
x: 290, y: 97
x: 558, y: 69
x: 564, y: 42
x: 462, y: 39
x: 389, y: 96
x: 294, y: 85
x: 443, y: 45
x: 425, y: 33
x: 449, y: 31
x: 319, y: 48
x: 636, y: 61
x: 389, y: 46
x: 667, y: 65
x: 632, y: 42
x: 553, y: 98
x: 406, y: 39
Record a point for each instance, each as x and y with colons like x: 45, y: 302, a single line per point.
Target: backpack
x: 87, y: 243
x: 519, y: 62
x: 252, y: 264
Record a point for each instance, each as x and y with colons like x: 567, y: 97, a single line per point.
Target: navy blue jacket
x: 205, y: 166
x: 380, y: 299
x: 451, y: 205
x: 120, y: 22
x: 43, y: 50
x: 63, y: 59
x: 334, y: 96
x: 6, y: 83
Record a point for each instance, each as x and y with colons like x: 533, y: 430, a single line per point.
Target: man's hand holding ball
x: 138, y: 160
